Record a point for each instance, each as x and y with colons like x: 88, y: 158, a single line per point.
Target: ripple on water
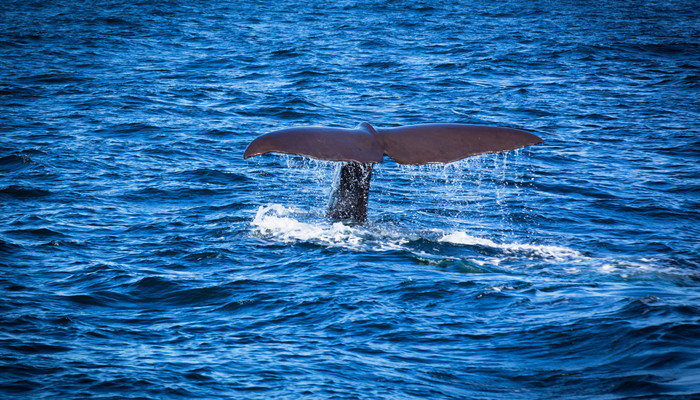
x: 142, y: 257
x: 23, y: 192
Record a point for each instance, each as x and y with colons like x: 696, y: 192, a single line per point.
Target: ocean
x: 141, y: 257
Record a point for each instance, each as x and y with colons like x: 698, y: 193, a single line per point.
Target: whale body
x: 364, y: 146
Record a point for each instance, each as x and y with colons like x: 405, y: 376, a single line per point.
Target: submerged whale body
x: 364, y: 146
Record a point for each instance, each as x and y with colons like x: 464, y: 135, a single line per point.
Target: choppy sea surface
x: 141, y: 257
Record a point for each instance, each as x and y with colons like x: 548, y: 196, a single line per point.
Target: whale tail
x: 363, y: 146
x: 415, y: 145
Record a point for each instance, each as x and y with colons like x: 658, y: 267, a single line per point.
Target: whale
x: 359, y: 148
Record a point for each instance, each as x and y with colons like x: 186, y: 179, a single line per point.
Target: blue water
x: 142, y: 257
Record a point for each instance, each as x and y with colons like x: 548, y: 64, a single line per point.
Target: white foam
x: 278, y: 222
x: 557, y: 253
x: 286, y: 224
x: 627, y: 268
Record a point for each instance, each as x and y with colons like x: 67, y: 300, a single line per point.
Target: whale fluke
x: 332, y: 144
x: 445, y: 143
x: 363, y: 146
x: 415, y: 144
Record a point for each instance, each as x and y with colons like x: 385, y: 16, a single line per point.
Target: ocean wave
x: 14, y: 162
x: 23, y: 192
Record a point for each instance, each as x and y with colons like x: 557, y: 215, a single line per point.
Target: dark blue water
x: 142, y: 257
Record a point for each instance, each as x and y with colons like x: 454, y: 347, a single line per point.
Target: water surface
x: 142, y: 257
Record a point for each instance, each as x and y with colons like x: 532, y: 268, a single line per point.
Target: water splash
x: 284, y: 224
x: 480, y: 253
x: 554, y: 253
x: 291, y: 225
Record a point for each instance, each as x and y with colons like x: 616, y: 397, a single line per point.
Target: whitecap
x: 556, y: 253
